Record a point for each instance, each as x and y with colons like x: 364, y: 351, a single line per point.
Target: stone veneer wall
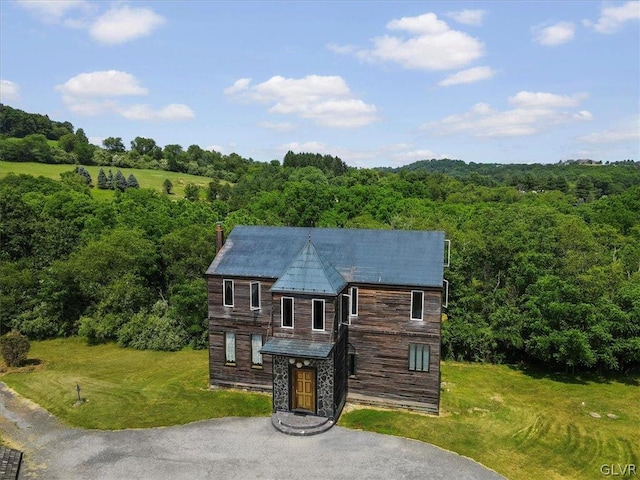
x: 324, y: 384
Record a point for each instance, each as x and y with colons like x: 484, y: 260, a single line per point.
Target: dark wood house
x: 320, y: 315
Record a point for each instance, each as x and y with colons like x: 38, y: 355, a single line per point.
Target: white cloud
x: 278, y: 127
x: 545, y: 100
x: 470, y: 75
x: 9, y: 91
x: 106, y: 83
x: 122, y: 24
x: 326, y: 100
x: 612, y: 136
x: 533, y: 113
x: 553, y: 35
x: 612, y: 18
x: 467, y: 17
x: 216, y: 148
x: 174, y: 111
x: 238, y: 86
x: 97, y: 93
x: 431, y: 45
x: 52, y: 11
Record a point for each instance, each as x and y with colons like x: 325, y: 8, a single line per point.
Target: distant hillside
x: 18, y: 124
x: 606, y: 178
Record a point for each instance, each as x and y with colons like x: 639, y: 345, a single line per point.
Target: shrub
x: 14, y: 348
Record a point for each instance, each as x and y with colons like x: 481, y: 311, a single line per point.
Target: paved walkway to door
x: 242, y: 448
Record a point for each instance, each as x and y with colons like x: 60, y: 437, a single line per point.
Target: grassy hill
x: 146, y: 178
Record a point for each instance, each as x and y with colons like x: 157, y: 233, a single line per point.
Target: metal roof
x: 296, y: 348
x: 380, y: 257
x: 309, y: 272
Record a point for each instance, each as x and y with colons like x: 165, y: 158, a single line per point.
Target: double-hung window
x: 255, y: 295
x: 230, y: 348
x: 317, y: 312
x: 256, y: 356
x: 419, y: 357
x: 354, y: 301
x: 345, y: 309
x: 227, y: 293
x: 286, y: 312
x: 417, y: 304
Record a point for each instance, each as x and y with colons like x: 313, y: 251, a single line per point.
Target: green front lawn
x: 524, y: 425
x: 126, y: 388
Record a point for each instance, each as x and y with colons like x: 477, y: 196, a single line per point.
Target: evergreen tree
x: 103, y: 183
x: 119, y: 181
x: 84, y: 174
x: 167, y: 186
x: 110, y: 185
x: 132, y: 182
x: 191, y: 192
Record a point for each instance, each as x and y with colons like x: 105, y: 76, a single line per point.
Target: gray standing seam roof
x: 378, y: 257
x: 309, y: 272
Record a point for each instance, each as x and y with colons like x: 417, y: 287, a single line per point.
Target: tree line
x: 549, y: 276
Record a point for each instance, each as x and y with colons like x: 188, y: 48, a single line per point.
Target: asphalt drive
x: 228, y: 448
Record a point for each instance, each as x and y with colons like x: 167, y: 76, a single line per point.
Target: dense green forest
x: 545, y: 260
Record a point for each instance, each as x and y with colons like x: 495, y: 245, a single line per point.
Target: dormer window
x: 227, y: 293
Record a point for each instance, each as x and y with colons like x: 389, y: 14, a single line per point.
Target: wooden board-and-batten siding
x: 244, y: 322
x: 380, y: 336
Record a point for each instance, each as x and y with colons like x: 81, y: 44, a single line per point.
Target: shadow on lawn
x: 579, y: 378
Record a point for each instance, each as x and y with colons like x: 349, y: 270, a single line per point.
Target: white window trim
x: 345, y: 321
x: 313, y: 315
x: 351, y: 295
x: 227, y: 344
x: 224, y: 294
x: 293, y: 314
x: 421, y: 309
x: 254, y: 353
x: 251, y: 284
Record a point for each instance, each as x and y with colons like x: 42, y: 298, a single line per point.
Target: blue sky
x: 375, y: 83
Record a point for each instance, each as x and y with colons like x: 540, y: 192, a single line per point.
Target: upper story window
x: 345, y: 309
x: 354, y: 301
x: 417, y: 304
x: 255, y: 295
x: 286, y: 312
x: 227, y: 293
x: 317, y: 312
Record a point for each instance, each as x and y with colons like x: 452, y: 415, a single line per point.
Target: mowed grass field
x: 126, y: 388
x: 146, y: 178
x: 522, y: 424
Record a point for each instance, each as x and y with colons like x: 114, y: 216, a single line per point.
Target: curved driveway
x: 242, y: 448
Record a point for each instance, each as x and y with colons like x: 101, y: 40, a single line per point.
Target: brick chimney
x: 219, y: 237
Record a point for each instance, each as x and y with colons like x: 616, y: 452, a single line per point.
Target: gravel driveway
x: 227, y: 448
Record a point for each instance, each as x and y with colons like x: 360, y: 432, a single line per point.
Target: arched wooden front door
x: 303, y: 395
